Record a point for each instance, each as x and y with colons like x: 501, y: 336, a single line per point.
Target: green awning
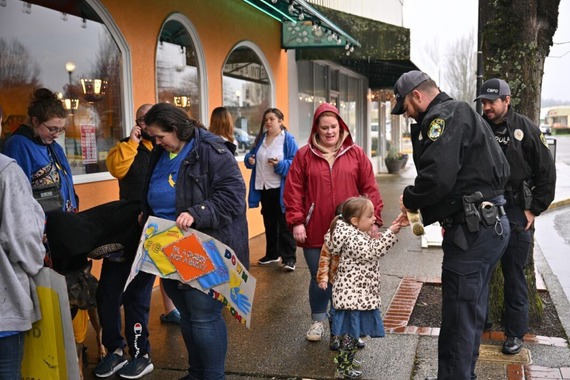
x: 384, y: 54
x: 303, y: 26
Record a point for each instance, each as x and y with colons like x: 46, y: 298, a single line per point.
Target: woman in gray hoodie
x: 21, y: 257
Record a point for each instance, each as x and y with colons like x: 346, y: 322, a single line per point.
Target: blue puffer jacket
x: 211, y: 188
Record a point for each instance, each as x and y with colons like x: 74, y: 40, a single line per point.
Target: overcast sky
x: 436, y: 24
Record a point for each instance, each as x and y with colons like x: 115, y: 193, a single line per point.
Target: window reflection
x: 57, y: 48
x: 247, y: 94
x: 177, y: 69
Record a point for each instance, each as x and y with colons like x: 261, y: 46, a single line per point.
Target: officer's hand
x: 529, y: 219
x: 402, y: 220
x: 402, y: 207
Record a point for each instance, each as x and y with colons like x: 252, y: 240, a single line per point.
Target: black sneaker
x: 360, y: 343
x: 512, y: 345
x: 268, y: 260
x: 289, y: 266
x: 137, y: 368
x: 110, y: 364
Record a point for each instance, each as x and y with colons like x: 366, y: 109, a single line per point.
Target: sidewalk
x: 275, y: 347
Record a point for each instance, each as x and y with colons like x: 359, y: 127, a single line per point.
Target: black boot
x: 345, y: 357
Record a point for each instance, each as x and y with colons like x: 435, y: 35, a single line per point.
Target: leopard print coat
x: 357, y: 282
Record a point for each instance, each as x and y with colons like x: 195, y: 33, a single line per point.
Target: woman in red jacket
x: 324, y: 173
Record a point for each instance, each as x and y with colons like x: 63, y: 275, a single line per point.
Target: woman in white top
x: 270, y: 159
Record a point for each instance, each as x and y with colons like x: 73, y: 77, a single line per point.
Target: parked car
x: 545, y: 129
x: 244, y: 140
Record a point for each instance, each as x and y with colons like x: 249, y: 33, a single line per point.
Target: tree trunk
x: 516, y: 39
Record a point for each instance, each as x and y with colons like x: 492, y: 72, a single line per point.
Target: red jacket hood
x: 326, y: 107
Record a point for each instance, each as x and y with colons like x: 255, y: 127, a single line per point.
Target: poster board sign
x: 198, y: 260
x: 88, y: 144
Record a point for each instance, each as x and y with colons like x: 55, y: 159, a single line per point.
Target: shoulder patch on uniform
x: 436, y: 128
x: 518, y: 134
x: 543, y: 139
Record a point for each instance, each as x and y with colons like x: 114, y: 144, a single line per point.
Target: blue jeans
x: 11, y: 354
x: 318, y: 299
x: 203, y: 329
x: 136, y: 304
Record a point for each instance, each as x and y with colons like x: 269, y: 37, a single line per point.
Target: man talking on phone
x: 127, y: 161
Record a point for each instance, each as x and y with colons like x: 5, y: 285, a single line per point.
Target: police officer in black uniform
x: 461, y: 175
x: 529, y: 192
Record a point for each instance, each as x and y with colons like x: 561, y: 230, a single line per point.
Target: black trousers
x: 513, y: 264
x: 465, y: 290
x: 279, y: 240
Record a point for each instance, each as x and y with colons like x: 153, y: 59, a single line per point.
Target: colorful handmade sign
x: 198, y: 260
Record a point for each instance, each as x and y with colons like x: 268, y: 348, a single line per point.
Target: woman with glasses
x: 35, y: 149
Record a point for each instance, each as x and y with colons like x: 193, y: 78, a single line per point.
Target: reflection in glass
x: 56, y: 48
x: 177, y: 69
x: 247, y: 94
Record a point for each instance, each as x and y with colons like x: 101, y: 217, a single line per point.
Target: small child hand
x: 323, y: 285
x: 395, y: 227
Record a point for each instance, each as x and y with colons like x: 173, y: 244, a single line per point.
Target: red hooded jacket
x: 313, y: 189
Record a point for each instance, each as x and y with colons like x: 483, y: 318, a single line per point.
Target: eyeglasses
x: 140, y: 120
x: 54, y: 130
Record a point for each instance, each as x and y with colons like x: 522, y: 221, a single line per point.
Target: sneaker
x: 360, y: 344
x: 512, y: 345
x: 289, y: 266
x: 315, y: 333
x: 137, y: 368
x: 172, y: 317
x: 349, y: 373
x: 268, y: 260
x: 110, y: 364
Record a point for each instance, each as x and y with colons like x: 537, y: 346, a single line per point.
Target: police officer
x: 461, y: 175
x: 529, y: 192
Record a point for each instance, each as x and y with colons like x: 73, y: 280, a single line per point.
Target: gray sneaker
x: 110, y: 364
x: 137, y: 368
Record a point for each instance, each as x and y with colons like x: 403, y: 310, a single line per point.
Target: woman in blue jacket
x: 35, y: 149
x: 270, y: 159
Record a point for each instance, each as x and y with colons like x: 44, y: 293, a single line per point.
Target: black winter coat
x: 211, y: 188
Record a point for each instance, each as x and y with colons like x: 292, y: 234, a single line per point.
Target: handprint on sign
x: 237, y: 295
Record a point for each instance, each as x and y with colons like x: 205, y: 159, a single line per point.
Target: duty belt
x: 459, y: 217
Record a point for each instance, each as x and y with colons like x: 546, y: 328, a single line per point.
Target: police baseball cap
x: 406, y: 84
x: 494, y: 89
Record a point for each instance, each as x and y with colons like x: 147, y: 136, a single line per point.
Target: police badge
x: 436, y: 128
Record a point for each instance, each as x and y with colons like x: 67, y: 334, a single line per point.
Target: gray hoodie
x: 21, y: 250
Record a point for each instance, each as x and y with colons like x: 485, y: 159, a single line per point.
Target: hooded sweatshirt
x: 318, y: 182
x: 21, y: 249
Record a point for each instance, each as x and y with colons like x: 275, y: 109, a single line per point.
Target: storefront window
x: 177, y: 69
x: 68, y: 49
x: 247, y: 94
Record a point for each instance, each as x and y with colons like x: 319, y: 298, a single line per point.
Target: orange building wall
x: 220, y: 26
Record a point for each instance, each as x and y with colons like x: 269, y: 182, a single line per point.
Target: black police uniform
x: 456, y: 155
x: 530, y: 160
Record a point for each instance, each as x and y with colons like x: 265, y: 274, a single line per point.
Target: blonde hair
x: 353, y: 207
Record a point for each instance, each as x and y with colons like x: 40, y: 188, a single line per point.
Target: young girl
x: 356, y: 286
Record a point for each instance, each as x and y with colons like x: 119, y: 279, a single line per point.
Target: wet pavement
x: 275, y: 347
